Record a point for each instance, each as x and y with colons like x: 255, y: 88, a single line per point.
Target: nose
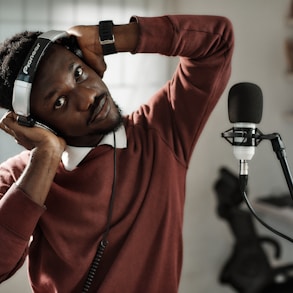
x: 82, y: 98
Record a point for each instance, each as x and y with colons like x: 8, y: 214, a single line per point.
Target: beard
x: 117, y: 122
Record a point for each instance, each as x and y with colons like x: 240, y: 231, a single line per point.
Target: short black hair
x: 13, y: 52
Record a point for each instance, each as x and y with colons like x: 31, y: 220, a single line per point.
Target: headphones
x: 23, y: 83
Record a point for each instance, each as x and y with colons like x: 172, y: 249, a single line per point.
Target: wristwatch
x: 106, y: 38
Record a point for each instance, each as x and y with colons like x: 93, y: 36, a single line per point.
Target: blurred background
x: 262, y: 30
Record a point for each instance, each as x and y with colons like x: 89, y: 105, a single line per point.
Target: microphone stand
x: 279, y: 149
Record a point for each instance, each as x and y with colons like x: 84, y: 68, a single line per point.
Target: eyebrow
x: 53, y: 92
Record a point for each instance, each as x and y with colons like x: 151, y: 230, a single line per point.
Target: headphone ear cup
x: 25, y: 121
x: 31, y: 122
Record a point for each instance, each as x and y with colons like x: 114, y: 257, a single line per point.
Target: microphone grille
x: 245, y: 103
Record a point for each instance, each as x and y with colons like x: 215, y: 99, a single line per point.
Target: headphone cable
x: 104, y: 242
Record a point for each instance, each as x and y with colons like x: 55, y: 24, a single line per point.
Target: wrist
x: 52, y: 148
x: 37, y: 178
x: 126, y: 37
x: 119, y: 38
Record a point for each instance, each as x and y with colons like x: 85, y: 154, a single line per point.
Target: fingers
x: 75, y: 30
x: 7, y: 121
x: 97, y: 63
x: 9, y: 124
x: 30, y: 137
x: 20, y: 133
x: 8, y: 115
x: 87, y: 38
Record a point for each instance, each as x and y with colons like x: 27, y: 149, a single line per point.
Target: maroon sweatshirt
x: 144, y: 254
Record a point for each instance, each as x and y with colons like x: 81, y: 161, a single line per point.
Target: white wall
x: 260, y: 31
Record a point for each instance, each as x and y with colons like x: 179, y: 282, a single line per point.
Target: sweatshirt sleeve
x: 18, y: 218
x: 204, y: 44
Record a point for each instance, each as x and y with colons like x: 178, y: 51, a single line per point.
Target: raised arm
x: 126, y: 38
x: 205, y: 47
x: 22, y: 202
x: 204, y: 44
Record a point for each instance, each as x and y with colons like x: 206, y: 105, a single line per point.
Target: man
x: 102, y: 180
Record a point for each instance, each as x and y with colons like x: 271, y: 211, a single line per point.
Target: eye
x: 60, y: 102
x: 78, y: 73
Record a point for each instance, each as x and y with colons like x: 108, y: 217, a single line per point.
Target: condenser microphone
x: 245, y: 103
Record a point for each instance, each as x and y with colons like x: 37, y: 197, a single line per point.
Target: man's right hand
x: 46, y: 151
x: 30, y: 137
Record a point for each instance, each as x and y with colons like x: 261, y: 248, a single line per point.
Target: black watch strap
x: 107, y: 39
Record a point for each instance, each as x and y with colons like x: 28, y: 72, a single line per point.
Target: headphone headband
x: 23, y: 83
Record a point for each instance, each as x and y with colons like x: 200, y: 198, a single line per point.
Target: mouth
x: 100, y: 109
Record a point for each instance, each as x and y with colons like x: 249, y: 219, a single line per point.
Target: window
x: 131, y: 78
